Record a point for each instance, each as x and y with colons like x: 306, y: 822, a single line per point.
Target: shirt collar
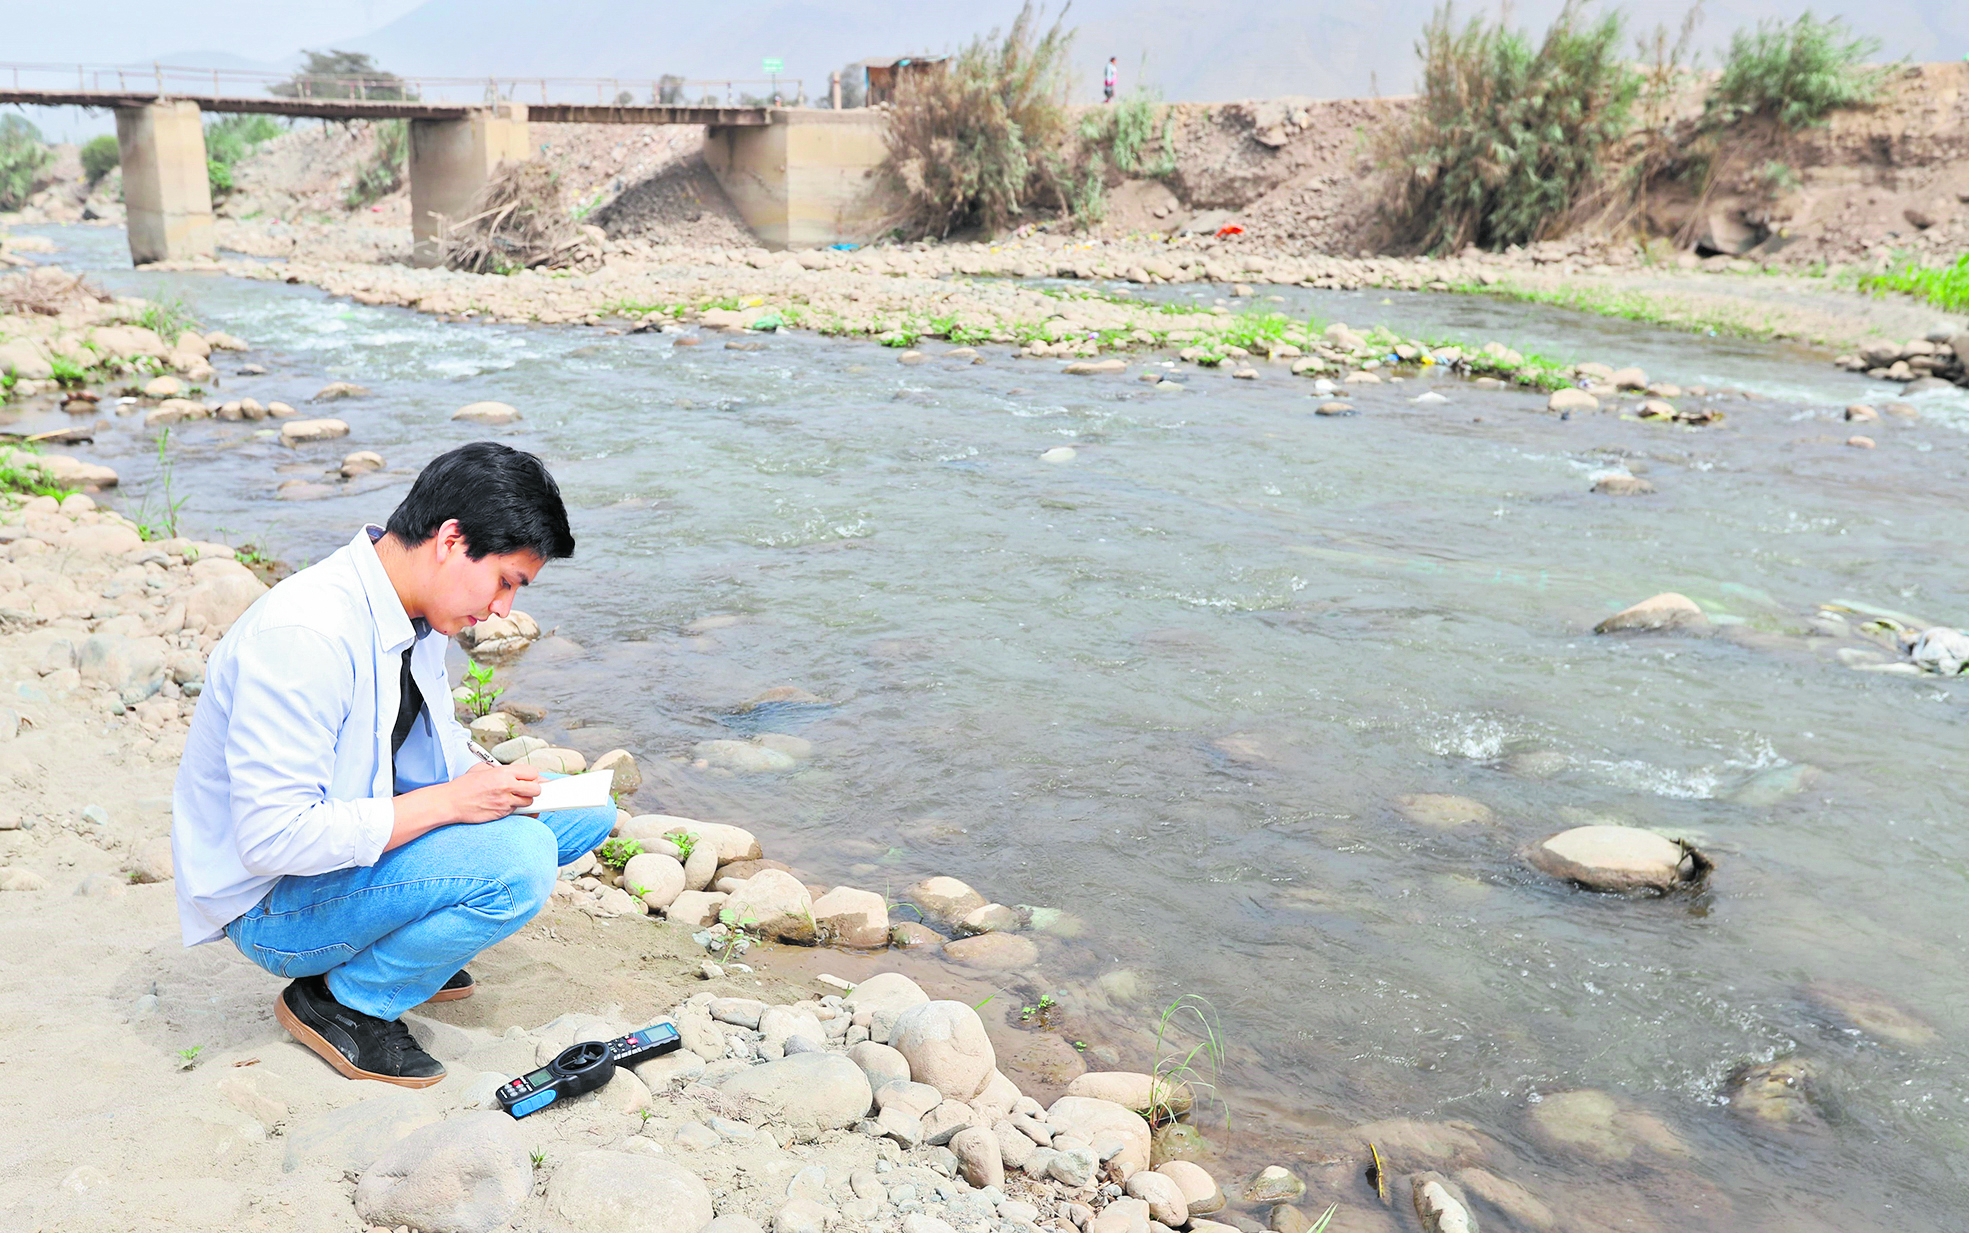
x: 394, y: 626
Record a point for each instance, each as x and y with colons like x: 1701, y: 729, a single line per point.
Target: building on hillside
x: 882, y: 77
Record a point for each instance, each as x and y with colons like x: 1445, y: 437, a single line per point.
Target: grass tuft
x: 1795, y: 74
x: 1946, y: 287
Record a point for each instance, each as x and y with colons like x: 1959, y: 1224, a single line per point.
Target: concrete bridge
x: 800, y: 177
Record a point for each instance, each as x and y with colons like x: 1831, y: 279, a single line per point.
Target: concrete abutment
x: 450, y: 161
x: 807, y: 179
x: 166, y: 193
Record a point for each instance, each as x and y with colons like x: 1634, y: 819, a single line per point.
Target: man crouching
x: 330, y: 815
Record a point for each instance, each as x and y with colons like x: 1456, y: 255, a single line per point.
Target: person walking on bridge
x: 1108, y: 78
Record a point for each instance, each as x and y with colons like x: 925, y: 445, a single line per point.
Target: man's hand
x: 483, y: 793
x: 489, y: 791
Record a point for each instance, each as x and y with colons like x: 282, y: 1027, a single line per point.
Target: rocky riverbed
x: 639, y: 928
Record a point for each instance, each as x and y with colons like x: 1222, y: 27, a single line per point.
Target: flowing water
x: 1176, y: 685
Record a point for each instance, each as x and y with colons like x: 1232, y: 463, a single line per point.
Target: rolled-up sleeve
x: 290, y: 699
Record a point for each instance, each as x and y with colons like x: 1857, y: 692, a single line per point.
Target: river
x: 1176, y: 684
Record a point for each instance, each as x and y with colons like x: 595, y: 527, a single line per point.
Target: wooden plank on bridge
x: 393, y: 109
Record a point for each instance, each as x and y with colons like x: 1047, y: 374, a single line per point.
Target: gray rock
x: 916, y: 1222
x: 1618, y: 858
x: 733, y: 1224
x: 466, y: 1175
x: 776, y: 904
x: 945, y: 900
x: 1201, y: 1194
x: 1121, y: 1216
x: 629, y: 1192
x: 803, y: 1216
x: 1015, y: 1147
x: 739, y: 1012
x: 701, y: 866
x: 662, y: 1073
x: 1438, y: 1207
x: 866, y: 1185
x: 946, y: 1047
x: 977, y: 1155
x: 1074, y: 1167
x: 880, y: 1063
x: 1668, y: 610
x: 1273, y: 1184
x: 809, y: 1091
x: 1163, y: 1195
x: 352, y: 1137
x: 1091, y: 1121
x: 879, y: 1001
x: 132, y: 667
x: 698, y: 1136
x: 943, y: 1122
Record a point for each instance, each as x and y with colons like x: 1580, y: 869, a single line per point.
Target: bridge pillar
x: 166, y: 195
x: 806, y: 180
x: 450, y: 161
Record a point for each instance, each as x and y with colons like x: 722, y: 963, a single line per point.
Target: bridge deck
x: 394, y: 109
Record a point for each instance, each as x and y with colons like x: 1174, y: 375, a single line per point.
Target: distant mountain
x: 1189, y: 50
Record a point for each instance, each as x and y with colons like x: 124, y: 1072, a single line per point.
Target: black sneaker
x: 360, y: 1046
x: 459, y: 986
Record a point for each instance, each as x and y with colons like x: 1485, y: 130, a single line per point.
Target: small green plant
x: 67, y: 371
x: 1946, y: 287
x: 100, y: 156
x: 1795, y: 74
x: 188, y: 1058
x: 1326, y: 1218
x: 1038, y: 1011
x: 1173, y: 1073
x: 383, y: 173
x: 167, y: 318
x: 166, y: 525
x: 478, y: 678
x: 740, y: 933
x: 538, y: 1156
x: 21, y: 472
x: 686, y: 842
x: 617, y: 852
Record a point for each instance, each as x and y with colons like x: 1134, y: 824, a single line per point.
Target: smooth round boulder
x: 850, y: 917
x: 993, y: 952
x: 467, y: 1174
x: 976, y: 1149
x: 881, y: 1063
x: 1668, y: 610
x: 1133, y: 1090
x: 1087, y: 1119
x: 628, y: 1192
x: 1200, y: 1191
x: 622, y: 766
x: 1570, y: 399
x: 809, y: 1092
x: 654, y: 878
x: 776, y: 904
x: 564, y: 761
x: 945, y: 900
x: 1163, y: 1195
x: 946, y: 1047
x: 297, y: 432
x: 494, y: 413
x: 1443, y: 812
x: 1622, y: 859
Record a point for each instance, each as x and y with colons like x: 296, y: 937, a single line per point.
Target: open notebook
x: 572, y: 792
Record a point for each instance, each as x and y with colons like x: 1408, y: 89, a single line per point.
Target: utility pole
x: 834, y: 89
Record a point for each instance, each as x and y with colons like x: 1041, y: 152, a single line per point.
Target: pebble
x: 1060, y: 453
x: 1273, y: 1184
x: 1623, y: 486
x: 1570, y: 399
x: 493, y: 413
x: 1334, y: 408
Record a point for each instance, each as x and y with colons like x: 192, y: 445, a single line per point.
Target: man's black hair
x: 503, y: 498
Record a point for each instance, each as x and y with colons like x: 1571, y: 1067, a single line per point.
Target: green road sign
x: 774, y: 64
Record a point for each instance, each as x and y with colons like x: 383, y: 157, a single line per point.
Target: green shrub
x: 1506, y: 136
x: 21, y: 472
x: 383, y: 173
x: 1795, y: 74
x: 977, y: 143
x: 1946, y: 287
x: 228, y: 140
x: 616, y: 853
x: 22, y: 156
x: 100, y: 156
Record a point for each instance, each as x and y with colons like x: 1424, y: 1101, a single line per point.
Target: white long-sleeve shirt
x: 287, y: 767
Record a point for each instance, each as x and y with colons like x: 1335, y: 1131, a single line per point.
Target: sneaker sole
x: 452, y: 995
x: 333, y: 1056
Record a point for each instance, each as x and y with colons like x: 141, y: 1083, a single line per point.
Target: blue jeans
x: 389, y: 936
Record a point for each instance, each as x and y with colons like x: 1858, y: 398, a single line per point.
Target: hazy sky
x: 1186, y: 49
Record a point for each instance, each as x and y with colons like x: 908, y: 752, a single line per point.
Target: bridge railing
x: 177, y: 80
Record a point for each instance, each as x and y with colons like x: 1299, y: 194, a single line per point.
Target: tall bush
x: 383, y: 173
x: 1795, y: 74
x: 100, y: 156
x: 341, y: 74
x: 228, y: 140
x: 1506, y: 136
x: 977, y: 143
x: 22, y: 156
